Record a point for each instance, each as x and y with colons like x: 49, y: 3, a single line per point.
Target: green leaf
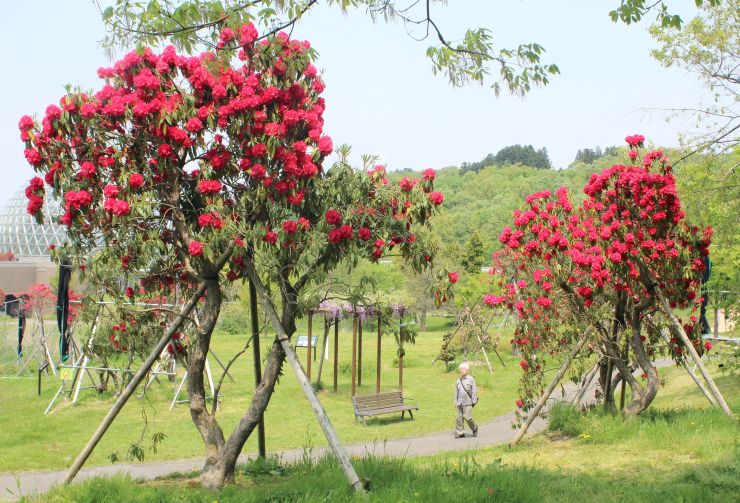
x: 107, y: 13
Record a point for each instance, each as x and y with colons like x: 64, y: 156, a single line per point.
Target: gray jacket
x: 466, y: 392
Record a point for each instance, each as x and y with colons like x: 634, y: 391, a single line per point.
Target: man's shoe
x: 459, y: 435
x: 475, y: 433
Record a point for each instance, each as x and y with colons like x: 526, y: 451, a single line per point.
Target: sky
x: 381, y: 95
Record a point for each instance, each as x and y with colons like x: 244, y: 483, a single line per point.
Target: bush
x: 566, y: 419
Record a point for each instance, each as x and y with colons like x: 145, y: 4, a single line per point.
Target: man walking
x: 466, y: 396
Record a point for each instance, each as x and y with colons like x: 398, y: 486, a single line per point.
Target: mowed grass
x: 679, y: 454
x: 31, y: 441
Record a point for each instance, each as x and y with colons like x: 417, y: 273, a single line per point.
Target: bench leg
x: 403, y: 412
x: 411, y: 414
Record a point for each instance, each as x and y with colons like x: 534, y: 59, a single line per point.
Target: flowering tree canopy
x: 570, y: 269
x: 180, y: 162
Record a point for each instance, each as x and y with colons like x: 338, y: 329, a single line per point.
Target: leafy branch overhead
x: 191, y: 25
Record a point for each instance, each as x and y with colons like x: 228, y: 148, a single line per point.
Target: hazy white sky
x: 381, y: 95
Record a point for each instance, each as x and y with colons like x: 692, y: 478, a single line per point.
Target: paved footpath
x: 494, y: 432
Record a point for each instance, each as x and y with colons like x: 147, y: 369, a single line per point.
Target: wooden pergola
x: 359, y: 314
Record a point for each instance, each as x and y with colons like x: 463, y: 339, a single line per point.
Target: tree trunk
x: 206, y: 424
x: 223, y: 469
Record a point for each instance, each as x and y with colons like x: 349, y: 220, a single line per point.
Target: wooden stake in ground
x: 138, y: 377
x: 257, y: 354
x: 543, y: 399
x: 693, y: 375
x: 586, y: 383
x: 318, y: 409
x: 692, y: 352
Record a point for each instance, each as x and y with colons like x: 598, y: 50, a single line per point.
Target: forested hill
x: 483, y: 201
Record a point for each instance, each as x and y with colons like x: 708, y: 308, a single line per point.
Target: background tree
x: 708, y: 47
x: 473, y: 57
x: 473, y: 258
x: 591, y: 273
x: 526, y: 155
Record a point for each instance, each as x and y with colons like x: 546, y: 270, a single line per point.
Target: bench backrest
x: 379, y: 401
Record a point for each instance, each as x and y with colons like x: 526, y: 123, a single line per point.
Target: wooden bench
x: 382, y: 403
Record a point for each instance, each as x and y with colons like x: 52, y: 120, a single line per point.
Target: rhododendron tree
x: 179, y: 164
x: 594, y: 270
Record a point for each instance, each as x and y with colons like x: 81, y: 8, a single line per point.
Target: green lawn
x: 680, y: 451
x: 31, y: 441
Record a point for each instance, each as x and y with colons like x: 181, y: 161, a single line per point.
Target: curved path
x: 494, y: 432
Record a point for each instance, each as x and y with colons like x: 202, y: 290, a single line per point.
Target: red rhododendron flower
x: 270, y: 237
x: 635, y: 140
x: 429, y: 174
x: 452, y: 277
x: 325, y: 145
x: 195, y: 248
x: 436, y: 198
x: 364, y: 234
x: 209, y: 186
x: 333, y: 217
x: 117, y: 207
x: 290, y: 226
x: 136, y: 180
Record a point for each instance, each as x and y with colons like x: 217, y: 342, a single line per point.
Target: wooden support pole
x: 359, y: 352
x: 336, y: 351
x: 691, y: 372
x: 377, y: 370
x: 543, y: 399
x: 692, y: 352
x: 308, y: 350
x: 623, y: 394
x: 257, y: 354
x: 135, y: 380
x: 586, y: 383
x: 354, y: 354
x: 318, y: 409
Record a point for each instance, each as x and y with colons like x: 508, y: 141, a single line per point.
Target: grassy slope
x: 683, y: 453
x: 29, y: 440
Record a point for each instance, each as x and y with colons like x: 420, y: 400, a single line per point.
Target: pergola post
x: 359, y: 352
x: 377, y: 368
x: 308, y: 351
x: 354, y: 353
x: 400, y: 355
x: 336, y: 351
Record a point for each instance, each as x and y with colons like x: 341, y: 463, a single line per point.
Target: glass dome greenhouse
x: 19, y: 232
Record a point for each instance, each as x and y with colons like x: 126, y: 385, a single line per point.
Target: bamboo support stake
x: 692, y: 352
x: 257, y: 355
x: 135, y: 380
x: 586, y: 383
x: 693, y: 375
x: 318, y: 409
x: 543, y: 399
